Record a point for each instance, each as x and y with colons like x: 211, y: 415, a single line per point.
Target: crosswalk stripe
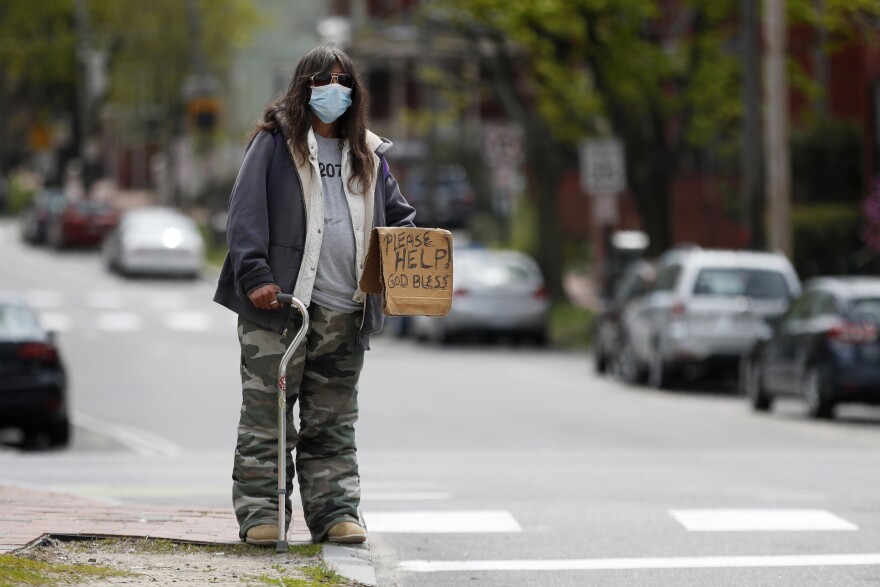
x: 104, y: 300
x: 188, y: 321
x: 405, y: 496
x: 166, y: 301
x: 442, y: 522
x: 55, y: 321
x: 760, y: 520
x: 612, y: 564
x: 118, y: 321
x: 43, y: 299
x: 142, y: 442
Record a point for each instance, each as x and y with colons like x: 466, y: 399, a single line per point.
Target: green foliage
x: 317, y: 575
x: 148, y: 48
x: 523, y: 233
x: 827, y: 162
x: 826, y: 239
x: 16, y: 571
x: 588, y: 56
x: 37, y: 44
x: 665, y: 77
x: 153, y: 52
x: 570, y: 326
x: 215, y: 250
x: 22, y: 190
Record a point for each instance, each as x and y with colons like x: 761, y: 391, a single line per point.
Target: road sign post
x: 603, y: 177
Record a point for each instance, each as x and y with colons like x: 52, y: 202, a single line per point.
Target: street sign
x: 503, y: 145
x: 602, y: 166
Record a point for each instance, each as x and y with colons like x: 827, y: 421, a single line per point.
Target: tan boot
x: 262, y: 535
x: 347, y: 533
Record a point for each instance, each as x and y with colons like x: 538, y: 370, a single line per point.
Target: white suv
x: 705, y: 309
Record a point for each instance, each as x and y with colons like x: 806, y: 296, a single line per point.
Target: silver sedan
x: 155, y: 241
x: 494, y: 292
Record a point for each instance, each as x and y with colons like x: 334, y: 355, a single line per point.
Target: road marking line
x: 44, y: 299
x: 760, y: 520
x: 118, y: 321
x: 439, y: 522
x: 151, y: 491
x: 104, y: 300
x: 56, y: 321
x: 405, y: 496
x: 620, y: 564
x: 166, y: 301
x: 140, y: 441
x: 188, y: 321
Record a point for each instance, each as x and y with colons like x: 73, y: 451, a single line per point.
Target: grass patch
x: 571, y: 326
x: 215, y: 252
x: 16, y: 571
x: 164, y: 546
x: 317, y: 575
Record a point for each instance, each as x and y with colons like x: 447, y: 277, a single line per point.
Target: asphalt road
x: 480, y: 466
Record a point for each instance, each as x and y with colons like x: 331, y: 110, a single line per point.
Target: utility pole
x: 752, y: 154
x: 778, y: 157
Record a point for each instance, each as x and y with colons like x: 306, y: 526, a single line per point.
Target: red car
x: 82, y: 223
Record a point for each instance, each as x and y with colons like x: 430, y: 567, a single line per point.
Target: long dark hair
x: 290, y: 112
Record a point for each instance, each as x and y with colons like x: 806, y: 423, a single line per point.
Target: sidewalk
x: 28, y: 515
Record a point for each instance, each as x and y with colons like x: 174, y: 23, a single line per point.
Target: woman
x: 313, y: 184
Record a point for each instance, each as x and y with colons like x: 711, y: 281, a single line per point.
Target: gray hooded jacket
x: 268, y: 228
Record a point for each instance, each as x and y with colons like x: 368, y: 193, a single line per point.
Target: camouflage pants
x: 323, y: 376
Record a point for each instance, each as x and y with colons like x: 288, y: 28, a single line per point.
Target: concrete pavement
x: 28, y: 515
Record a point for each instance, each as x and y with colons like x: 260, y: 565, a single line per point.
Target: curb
x: 352, y: 562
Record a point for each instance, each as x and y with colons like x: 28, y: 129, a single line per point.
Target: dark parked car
x: 32, y: 377
x: 82, y: 223
x: 38, y: 216
x: 634, y: 281
x: 825, y: 349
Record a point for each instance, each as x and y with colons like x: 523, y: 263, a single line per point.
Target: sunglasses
x: 322, y: 79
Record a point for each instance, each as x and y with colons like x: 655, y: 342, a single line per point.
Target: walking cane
x: 281, y: 545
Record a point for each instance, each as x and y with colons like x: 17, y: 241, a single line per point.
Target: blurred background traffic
x: 591, y: 158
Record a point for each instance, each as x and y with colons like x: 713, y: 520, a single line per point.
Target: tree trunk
x: 546, y: 156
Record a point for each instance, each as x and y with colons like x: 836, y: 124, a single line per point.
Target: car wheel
x: 658, y: 371
x: 600, y: 361
x: 627, y: 364
x: 438, y: 334
x: 818, y: 394
x: 59, y: 434
x: 753, y: 385
x: 56, y: 240
x: 538, y: 338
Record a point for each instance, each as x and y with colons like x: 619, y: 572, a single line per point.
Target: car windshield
x: 867, y: 309
x: 494, y: 271
x: 738, y: 281
x: 158, y: 224
x: 17, y: 322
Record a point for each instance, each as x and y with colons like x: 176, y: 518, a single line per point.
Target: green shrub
x: 826, y: 239
x: 570, y: 326
x: 22, y: 189
x: 826, y: 160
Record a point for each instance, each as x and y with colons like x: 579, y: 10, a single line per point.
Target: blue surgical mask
x: 330, y: 102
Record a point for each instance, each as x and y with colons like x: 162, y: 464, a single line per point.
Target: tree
x: 147, y: 46
x: 658, y: 80
x: 662, y: 76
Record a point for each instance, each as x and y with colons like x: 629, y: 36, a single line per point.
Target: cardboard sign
x: 412, y: 269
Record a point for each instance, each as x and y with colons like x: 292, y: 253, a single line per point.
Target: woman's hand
x: 264, y: 297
